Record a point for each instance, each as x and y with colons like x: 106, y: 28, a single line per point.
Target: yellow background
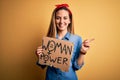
x: 24, y: 22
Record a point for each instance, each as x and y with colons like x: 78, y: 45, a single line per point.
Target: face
x: 62, y: 20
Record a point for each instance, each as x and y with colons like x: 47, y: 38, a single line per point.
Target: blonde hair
x: 52, y: 31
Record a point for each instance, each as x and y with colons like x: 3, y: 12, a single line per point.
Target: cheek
x: 68, y: 22
x: 57, y: 21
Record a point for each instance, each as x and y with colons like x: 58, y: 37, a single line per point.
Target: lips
x: 61, y: 25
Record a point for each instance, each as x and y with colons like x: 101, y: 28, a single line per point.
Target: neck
x: 61, y: 34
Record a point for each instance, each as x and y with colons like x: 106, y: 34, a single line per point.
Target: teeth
x: 61, y: 25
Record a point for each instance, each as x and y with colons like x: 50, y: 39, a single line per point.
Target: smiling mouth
x: 61, y: 25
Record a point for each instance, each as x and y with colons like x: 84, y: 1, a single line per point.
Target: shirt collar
x: 67, y: 36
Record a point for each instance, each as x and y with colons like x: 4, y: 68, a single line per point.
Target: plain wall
x: 24, y: 22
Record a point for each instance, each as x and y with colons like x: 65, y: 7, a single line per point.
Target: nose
x: 61, y: 20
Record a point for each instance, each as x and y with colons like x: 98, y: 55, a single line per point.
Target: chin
x: 61, y: 29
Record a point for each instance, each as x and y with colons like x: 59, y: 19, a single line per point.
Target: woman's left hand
x: 85, y: 46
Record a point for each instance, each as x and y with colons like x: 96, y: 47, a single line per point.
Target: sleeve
x: 78, y: 45
x: 76, y: 66
x: 42, y: 66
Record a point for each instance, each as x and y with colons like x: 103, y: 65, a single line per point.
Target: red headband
x: 63, y: 5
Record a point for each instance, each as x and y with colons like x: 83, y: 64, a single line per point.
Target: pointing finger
x: 91, y: 40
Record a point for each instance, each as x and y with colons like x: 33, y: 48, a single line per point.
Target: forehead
x: 62, y: 13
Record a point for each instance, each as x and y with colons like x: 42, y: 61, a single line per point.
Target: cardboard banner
x: 56, y: 53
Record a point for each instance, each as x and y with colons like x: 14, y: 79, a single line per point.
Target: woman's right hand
x: 39, y: 51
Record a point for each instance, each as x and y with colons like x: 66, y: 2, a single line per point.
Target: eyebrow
x: 63, y: 16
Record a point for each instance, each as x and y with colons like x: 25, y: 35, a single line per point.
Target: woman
x: 61, y: 27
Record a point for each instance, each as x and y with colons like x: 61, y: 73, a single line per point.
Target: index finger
x: 91, y: 40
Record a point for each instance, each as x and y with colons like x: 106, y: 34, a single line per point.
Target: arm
x: 83, y: 51
x: 80, y: 60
